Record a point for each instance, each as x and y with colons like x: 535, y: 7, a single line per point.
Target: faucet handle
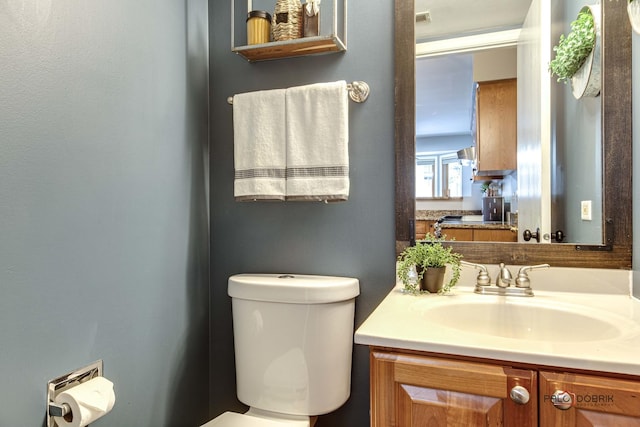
x: 522, y: 281
x: 483, y: 278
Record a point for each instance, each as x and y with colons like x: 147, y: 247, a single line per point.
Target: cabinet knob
x: 562, y: 399
x: 519, y: 395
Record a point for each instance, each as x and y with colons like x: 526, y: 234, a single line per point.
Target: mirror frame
x: 617, y: 162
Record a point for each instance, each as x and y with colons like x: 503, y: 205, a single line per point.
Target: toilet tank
x: 293, y: 339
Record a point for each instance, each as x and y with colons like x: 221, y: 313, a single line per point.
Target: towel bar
x: 358, y: 92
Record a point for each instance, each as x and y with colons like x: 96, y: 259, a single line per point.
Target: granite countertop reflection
x: 493, y: 225
x: 434, y: 215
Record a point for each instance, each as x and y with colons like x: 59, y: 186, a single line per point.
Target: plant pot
x: 587, y: 80
x: 432, y: 279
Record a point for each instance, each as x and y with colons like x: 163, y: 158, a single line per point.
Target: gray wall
x: 103, y: 208
x: 353, y: 238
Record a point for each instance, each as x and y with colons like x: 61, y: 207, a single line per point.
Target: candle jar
x: 258, y: 27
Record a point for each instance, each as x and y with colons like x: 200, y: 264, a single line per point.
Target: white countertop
x: 403, y: 321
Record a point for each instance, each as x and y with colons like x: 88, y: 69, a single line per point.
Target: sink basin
x: 539, y: 321
x: 595, y: 331
x: 472, y: 218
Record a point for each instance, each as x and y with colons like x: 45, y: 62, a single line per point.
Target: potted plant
x: 421, y: 267
x: 577, y: 57
x: 484, y: 188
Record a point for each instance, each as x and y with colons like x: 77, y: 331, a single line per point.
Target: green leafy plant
x: 427, y: 253
x: 572, y: 50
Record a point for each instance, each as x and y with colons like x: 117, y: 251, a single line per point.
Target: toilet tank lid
x: 293, y: 288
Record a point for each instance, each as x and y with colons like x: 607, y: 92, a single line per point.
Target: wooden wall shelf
x: 291, y: 48
x: 332, y: 38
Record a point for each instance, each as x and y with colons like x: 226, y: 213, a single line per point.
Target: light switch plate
x: 585, y: 210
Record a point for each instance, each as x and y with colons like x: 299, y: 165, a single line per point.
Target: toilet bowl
x: 293, y: 341
x: 254, y: 418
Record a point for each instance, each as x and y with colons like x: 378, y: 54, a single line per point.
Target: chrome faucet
x: 504, y: 277
x: 504, y: 280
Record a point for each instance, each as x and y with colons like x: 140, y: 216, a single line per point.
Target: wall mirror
x: 615, y: 98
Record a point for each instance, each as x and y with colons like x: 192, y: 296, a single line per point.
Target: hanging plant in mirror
x: 633, y: 10
x: 577, y: 57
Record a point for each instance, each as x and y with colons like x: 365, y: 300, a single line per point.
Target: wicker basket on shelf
x: 287, y: 20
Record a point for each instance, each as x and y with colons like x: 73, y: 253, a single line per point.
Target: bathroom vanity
x: 418, y: 389
x: 560, y: 358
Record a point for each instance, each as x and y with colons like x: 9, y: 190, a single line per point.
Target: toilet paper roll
x: 88, y: 401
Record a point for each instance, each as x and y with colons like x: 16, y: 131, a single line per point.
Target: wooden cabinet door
x: 423, y: 227
x: 491, y: 235
x: 414, y: 390
x: 459, y: 234
x: 496, y: 133
x: 589, y: 401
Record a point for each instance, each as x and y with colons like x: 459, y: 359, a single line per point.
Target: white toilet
x: 293, y: 341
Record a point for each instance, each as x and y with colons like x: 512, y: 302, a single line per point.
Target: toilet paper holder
x: 64, y: 382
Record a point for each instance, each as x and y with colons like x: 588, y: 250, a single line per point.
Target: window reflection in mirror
x: 443, y: 175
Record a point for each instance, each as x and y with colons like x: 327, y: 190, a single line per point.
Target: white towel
x: 260, y: 156
x: 317, y: 123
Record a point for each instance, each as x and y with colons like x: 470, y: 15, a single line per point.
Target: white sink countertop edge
x: 394, y: 324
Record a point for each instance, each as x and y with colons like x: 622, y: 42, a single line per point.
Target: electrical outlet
x: 585, y: 210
